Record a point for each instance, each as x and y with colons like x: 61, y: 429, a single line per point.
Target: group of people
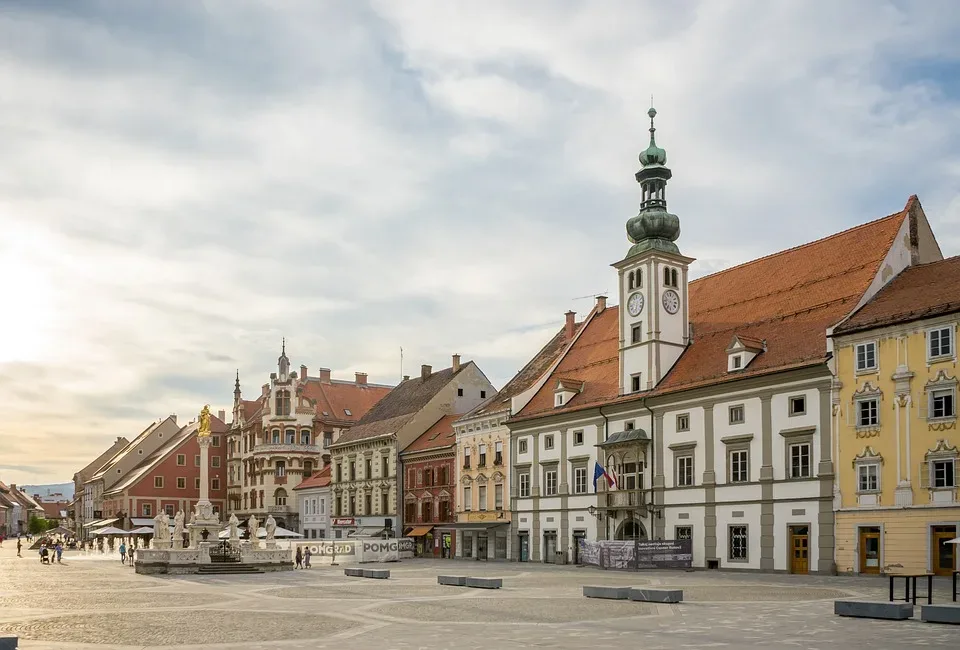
x: 47, y: 554
x: 303, y: 558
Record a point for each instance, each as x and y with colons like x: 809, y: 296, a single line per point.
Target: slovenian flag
x: 598, y: 472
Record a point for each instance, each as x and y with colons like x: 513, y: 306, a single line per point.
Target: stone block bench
x: 379, y: 574
x: 646, y: 595
x: 455, y: 581
x: 940, y: 614
x: 8, y: 642
x: 485, y: 583
x: 353, y: 572
x: 610, y: 593
x: 873, y: 609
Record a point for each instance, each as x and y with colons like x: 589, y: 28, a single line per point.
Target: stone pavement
x: 90, y: 602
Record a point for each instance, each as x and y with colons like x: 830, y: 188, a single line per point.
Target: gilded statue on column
x: 204, y: 428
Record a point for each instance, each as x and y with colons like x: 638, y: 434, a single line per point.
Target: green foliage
x: 37, y: 525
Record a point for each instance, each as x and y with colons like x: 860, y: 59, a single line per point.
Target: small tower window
x: 639, y: 278
x: 673, y: 277
x: 630, y: 282
x: 666, y: 277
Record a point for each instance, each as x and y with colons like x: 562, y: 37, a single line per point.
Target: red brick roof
x: 787, y: 299
x: 908, y: 297
x: 318, y: 480
x: 337, y: 397
x: 439, y: 436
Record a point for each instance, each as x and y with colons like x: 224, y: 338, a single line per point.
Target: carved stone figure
x: 178, y: 529
x: 234, y: 523
x: 271, y: 527
x: 204, y: 428
x: 160, y: 528
x: 252, y: 527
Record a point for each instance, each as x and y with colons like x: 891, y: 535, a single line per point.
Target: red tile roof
x: 908, y: 297
x: 337, y: 397
x: 787, y: 299
x: 318, y: 480
x: 438, y: 436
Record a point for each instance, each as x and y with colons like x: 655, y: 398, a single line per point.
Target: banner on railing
x: 348, y: 551
x: 638, y: 554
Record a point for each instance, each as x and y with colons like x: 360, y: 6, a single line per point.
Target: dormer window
x: 565, y: 391
x: 736, y: 361
x: 742, y: 350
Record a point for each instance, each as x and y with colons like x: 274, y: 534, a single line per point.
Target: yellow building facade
x: 895, y: 414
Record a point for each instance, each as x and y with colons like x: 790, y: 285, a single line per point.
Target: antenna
x: 401, y: 363
x: 591, y: 296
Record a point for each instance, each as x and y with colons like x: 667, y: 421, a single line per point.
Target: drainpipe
x: 653, y: 460
x: 606, y: 432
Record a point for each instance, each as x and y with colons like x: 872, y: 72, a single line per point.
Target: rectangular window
x: 498, y: 496
x: 579, y: 480
x: 739, y: 472
x: 550, y: 482
x: 181, y: 483
x: 944, y: 473
x: 281, y: 469
x: 482, y: 497
x: 304, y: 437
x: 182, y: 460
x: 466, y: 458
x: 738, y: 543
x: 168, y: 509
x: 385, y: 466
x: 524, y: 482
x: 866, y: 356
x: 483, y: 394
x: 868, y: 478
x: 578, y: 437
x: 147, y: 510
x: 737, y: 361
x: 683, y: 532
x: 635, y: 334
x: 942, y: 403
x: 941, y: 342
x: 868, y: 412
x: 684, y: 471
x: 215, y: 483
x: 158, y: 481
x: 483, y: 456
x: 635, y: 383
x: 215, y: 441
x: 736, y: 414
x: 498, y: 451
x: 798, y: 405
x: 196, y: 460
x: 548, y: 441
x: 353, y: 470
x: 467, y: 499
x: 368, y: 468
x: 522, y: 446
x: 628, y: 426
x: 800, y: 460
x: 419, y: 477
x: 196, y: 483
x: 459, y: 392
x: 215, y: 461
x: 683, y: 422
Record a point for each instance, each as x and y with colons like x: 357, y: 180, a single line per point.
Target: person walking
x: 123, y: 553
x: 59, y: 549
x: 299, y: 558
x: 306, y: 558
x: 19, y: 546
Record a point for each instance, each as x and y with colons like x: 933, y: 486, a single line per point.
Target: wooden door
x: 944, y: 554
x: 799, y: 549
x: 869, y: 550
x: 550, y: 548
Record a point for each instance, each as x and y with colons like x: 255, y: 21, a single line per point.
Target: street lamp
x: 595, y: 513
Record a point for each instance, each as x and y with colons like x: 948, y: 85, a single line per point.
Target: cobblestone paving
x: 97, y: 603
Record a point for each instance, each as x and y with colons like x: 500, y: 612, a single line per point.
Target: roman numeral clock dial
x: 671, y: 301
x: 635, y: 304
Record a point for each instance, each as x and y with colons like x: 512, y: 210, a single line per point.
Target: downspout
x: 653, y: 461
x: 606, y: 433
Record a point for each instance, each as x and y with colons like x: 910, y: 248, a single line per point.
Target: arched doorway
x: 631, y: 529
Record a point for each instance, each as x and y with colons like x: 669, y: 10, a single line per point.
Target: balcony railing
x: 286, y: 448
x: 280, y: 510
x: 625, y: 499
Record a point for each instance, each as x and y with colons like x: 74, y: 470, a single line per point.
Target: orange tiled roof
x: 337, y: 397
x: 439, y: 436
x: 907, y: 297
x: 787, y: 299
x: 318, y: 480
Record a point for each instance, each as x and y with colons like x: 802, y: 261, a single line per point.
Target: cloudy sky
x: 184, y: 183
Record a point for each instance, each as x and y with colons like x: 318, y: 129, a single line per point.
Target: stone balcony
x: 624, y: 499
x: 286, y: 448
x: 279, y: 510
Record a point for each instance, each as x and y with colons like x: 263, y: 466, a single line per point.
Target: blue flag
x: 597, y: 473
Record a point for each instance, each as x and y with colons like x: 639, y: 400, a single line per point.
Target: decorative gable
x: 565, y: 391
x: 742, y: 350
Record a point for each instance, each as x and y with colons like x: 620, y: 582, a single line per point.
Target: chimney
x: 601, y: 304
x: 361, y: 378
x: 571, y: 324
x: 303, y: 372
x: 222, y: 415
x: 173, y: 416
x: 425, y: 372
x: 456, y: 363
x: 406, y: 378
x: 325, y: 375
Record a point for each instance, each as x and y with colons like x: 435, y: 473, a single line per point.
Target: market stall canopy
x: 280, y: 533
x: 142, y: 530
x: 110, y: 530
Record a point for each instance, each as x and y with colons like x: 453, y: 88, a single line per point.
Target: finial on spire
x: 283, y: 346
x: 236, y: 384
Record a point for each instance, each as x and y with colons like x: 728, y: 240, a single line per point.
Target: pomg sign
x: 379, y: 550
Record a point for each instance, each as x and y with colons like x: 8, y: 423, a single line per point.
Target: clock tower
x: 654, y: 318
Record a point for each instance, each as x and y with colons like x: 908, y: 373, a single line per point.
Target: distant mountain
x: 48, y: 491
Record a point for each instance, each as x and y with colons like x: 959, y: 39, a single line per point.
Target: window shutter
x: 924, y: 475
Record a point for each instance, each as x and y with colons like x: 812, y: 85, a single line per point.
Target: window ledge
x: 860, y: 428
x: 944, y: 420
x: 941, y: 358
x: 739, y: 561
x: 868, y: 371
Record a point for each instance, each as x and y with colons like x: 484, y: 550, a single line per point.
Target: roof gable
x: 439, y: 436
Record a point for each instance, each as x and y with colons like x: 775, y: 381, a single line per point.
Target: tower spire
x: 653, y: 228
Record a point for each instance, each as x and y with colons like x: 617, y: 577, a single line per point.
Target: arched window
x: 673, y: 277
x: 307, y: 468
x: 280, y: 497
x: 639, y: 278
x: 630, y: 283
x: 666, y: 277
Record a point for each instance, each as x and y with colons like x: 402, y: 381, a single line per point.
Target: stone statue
x: 160, y: 528
x: 252, y: 527
x: 193, y: 515
x: 234, y: 523
x: 204, y: 428
x: 271, y: 527
x: 178, y: 529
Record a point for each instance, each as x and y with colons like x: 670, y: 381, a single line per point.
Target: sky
x: 184, y: 183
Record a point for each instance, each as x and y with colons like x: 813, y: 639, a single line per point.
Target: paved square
x: 91, y: 602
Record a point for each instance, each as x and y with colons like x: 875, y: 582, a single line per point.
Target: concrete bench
x: 610, y: 593
x: 8, y: 643
x: 353, y: 572
x: 379, y: 574
x: 456, y: 581
x: 485, y: 583
x: 873, y: 609
x: 645, y: 595
x: 940, y: 614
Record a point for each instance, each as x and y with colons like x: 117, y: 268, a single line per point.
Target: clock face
x: 635, y: 304
x: 671, y: 301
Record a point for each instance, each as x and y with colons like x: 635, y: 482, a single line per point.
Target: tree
x: 37, y: 525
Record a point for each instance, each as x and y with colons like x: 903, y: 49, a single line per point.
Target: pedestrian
x: 299, y: 558
x: 19, y: 546
x: 123, y: 553
x: 306, y: 558
x: 59, y: 548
